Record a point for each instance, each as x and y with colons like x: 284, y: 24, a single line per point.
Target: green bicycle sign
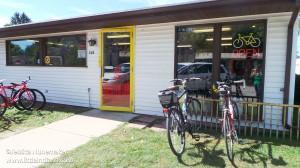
x: 248, y: 40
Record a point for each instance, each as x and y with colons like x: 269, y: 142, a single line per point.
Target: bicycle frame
x: 13, y: 98
x: 228, y: 111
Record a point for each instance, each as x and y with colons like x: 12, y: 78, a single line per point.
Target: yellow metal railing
x: 255, y: 118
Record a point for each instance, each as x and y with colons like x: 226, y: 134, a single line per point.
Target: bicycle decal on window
x: 248, y: 40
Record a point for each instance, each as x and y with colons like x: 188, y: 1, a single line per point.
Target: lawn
x: 15, y: 121
x: 133, y: 147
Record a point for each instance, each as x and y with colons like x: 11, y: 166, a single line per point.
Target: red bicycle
x: 20, y: 97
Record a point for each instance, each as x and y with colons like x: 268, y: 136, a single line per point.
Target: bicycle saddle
x: 14, y: 84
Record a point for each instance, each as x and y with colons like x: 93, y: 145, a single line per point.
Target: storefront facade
x: 117, y: 63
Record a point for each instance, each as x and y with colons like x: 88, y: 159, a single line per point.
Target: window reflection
x: 24, y: 52
x: 66, y: 51
x: 116, y: 67
x: 194, y: 50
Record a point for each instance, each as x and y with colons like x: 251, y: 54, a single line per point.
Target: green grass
x: 131, y: 147
x: 15, y: 121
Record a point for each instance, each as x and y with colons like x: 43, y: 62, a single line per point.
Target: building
x: 119, y: 61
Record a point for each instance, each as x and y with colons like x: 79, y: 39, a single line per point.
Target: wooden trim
x: 191, y: 11
x: 216, y: 59
x: 289, y: 54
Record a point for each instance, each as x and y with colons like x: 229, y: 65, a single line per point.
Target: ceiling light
x: 226, y: 29
x: 121, y: 44
x: 227, y: 38
x: 118, y: 36
x: 224, y: 38
x: 226, y: 44
x: 203, y: 30
x: 184, y: 46
x: 209, y: 30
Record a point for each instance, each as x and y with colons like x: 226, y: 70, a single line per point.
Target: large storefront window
x: 194, y: 50
x: 242, y: 52
x: 23, y: 52
x: 65, y: 51
x: 237, y: 49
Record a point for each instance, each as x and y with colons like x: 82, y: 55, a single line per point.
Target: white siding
x: 154, y: 65
x: 275, y: 59
x: 66, y: 85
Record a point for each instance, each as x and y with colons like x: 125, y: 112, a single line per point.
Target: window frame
x: 43, y: 50
x: 217, y: 33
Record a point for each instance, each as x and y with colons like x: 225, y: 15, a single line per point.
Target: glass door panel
x: 116, y: 68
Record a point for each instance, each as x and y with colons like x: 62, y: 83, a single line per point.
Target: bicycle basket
x: 167, y: 98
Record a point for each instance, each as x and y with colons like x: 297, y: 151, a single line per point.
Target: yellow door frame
x: 131, y: 30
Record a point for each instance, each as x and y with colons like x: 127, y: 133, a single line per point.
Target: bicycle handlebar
x: 230, y: 82
x: 27, y: 80
x: 185, y: 79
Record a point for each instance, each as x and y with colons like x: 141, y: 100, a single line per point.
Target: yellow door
x: 116, y: 62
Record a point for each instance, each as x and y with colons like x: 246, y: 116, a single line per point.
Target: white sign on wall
x: 81, y: 54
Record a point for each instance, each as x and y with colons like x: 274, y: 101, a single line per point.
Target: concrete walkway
x: 40, y: 145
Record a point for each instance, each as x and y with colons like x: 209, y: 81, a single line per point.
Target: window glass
x: 24, y: 52
x: 242, y: 49
x: 194, y: 50
x: 66, y: 51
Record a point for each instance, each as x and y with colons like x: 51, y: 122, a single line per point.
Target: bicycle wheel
x: 2, y: 105
x: 194, y: 107
x: 17, y: 104
x: 27, y: 99
x: 175, y: 132
x: 236, y: 113
x: 228, y: 138
x: 194, y: 115
x: 40, y: 102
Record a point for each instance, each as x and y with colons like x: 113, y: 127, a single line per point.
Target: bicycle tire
x: 43, y: 103
x: 17, y: 105
x: 23, y: 105
x: 228, y: 139
x: 180, y: 132
x: 195, y: 115
x: 194, y: 107
x: 236, y: 113
x: 2, y: 105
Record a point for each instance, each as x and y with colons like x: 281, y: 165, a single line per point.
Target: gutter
x: 288, y: 63
x: 289, y: 53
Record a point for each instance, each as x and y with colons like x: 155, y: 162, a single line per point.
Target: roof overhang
x: 191, y: 11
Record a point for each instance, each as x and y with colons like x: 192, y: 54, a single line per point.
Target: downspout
x: 288, y: 63
x: 289, y: 53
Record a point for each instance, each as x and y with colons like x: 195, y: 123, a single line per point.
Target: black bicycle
x: 177, y: 104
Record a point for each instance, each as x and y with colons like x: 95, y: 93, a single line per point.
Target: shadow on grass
x: 259, y: 152
x: 17, y: 117
x: 212, y: 152
x: 210, y: 156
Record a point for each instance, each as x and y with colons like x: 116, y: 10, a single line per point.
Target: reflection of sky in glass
x: 23, y: 43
